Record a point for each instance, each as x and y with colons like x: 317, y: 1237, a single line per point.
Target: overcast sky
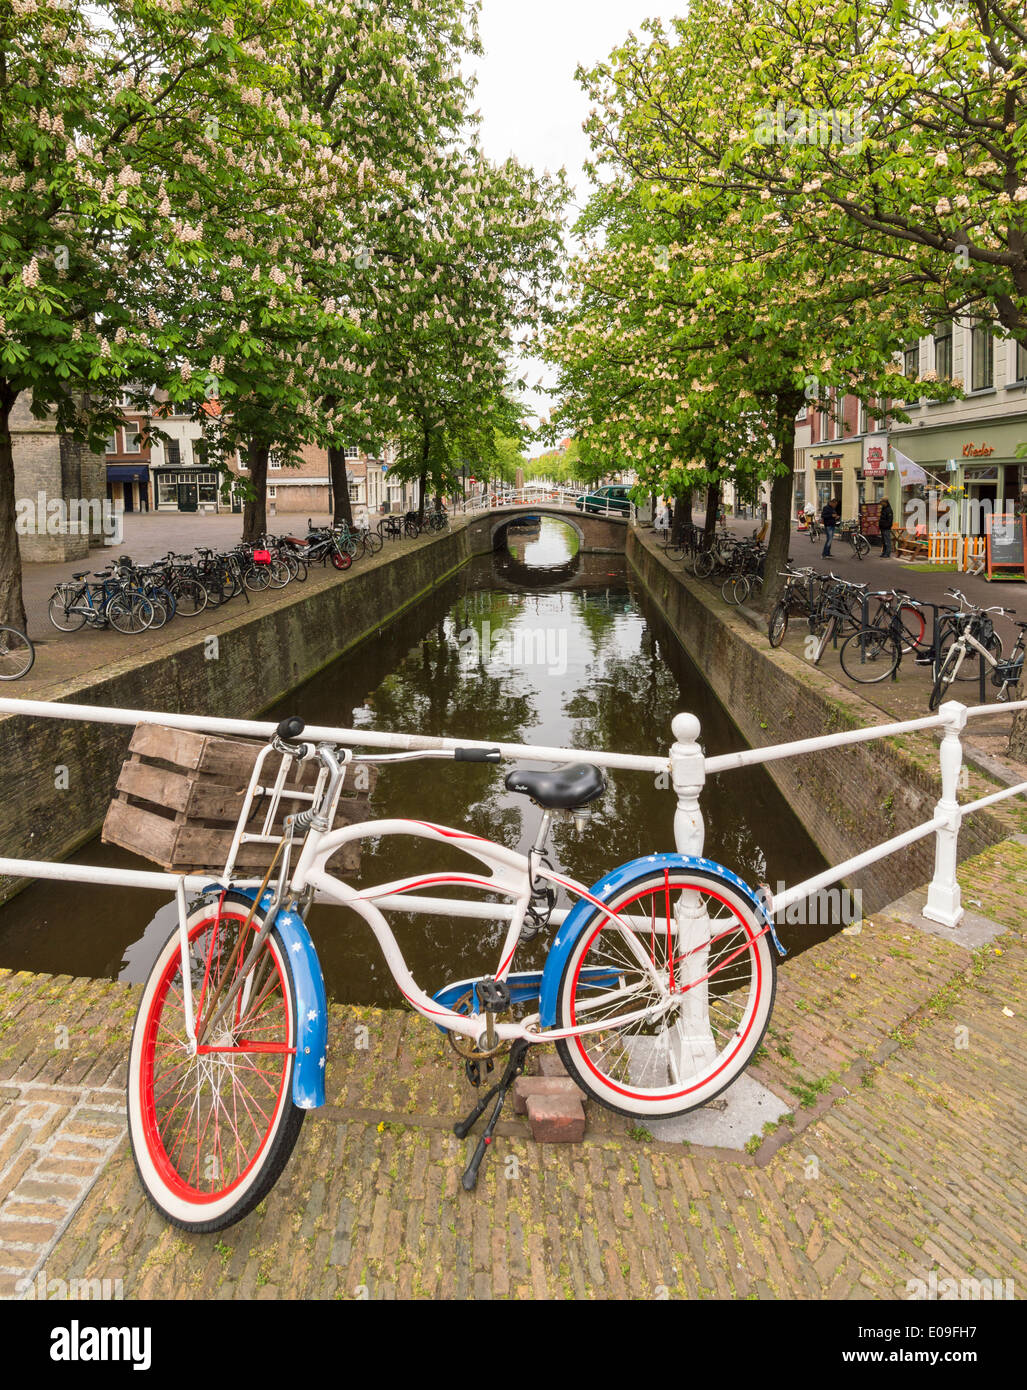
x: 531, y: 106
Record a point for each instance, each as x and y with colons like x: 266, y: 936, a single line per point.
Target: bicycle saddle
x: 559, y: 788
x: 81, y: 575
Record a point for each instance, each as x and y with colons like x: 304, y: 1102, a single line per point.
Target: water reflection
x: 592, y: 666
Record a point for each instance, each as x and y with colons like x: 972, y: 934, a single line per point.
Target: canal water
x: 537, y: 644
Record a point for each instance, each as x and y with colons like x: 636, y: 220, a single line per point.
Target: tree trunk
x: 682, y: 515
x: 788, y: 406
x: 254, y: 514
x: 12, y: 603
x: 423, y: 479
x: 712, y: 507
x: 342, y: 511
x: 1017, y: 746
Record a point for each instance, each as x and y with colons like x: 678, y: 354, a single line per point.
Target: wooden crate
x: 180, y: 794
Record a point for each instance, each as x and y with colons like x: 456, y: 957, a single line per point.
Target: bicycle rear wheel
x: 211, y: 1133
x: 870, y: 656
x: 710, y: 993
x: 16, y: 654
x: 65, y: 607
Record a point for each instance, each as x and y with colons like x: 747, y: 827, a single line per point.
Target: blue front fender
x: 606, y: 889
x: 308, y: 1077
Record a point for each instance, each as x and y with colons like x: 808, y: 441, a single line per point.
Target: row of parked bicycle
x: 874, y: 629
x: 133, y: 598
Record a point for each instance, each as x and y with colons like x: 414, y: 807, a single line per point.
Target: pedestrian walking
x: 829, y: 517
x: 886, y: 522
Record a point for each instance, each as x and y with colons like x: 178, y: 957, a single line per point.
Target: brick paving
x: 898, y: 1051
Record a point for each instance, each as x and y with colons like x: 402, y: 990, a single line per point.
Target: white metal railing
x: 542, y: 496
x: 685, y: 764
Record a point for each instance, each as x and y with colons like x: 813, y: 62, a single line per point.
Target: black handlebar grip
x: 291, y: 728
x: 478, y: 755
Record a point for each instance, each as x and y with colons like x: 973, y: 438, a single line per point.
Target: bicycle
x: 849, y: 531
x: 17, y: 654
x: 970, y: 640
x: 106, y: 604
x: 657, y: 988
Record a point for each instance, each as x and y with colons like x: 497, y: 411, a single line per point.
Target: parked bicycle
x: 972, y: 640
x: 657, y: 988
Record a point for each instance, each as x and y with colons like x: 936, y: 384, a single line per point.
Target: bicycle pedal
x: 494, y: 996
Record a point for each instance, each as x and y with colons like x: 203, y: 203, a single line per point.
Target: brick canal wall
x: 59, y: 776
x: 848, y: 799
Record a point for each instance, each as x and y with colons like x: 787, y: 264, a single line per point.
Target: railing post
x: 688, y: 776
x: 943, y: 897
x: 692, y: 1046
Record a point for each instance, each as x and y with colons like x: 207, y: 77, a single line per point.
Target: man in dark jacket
x: 887, y: 520
x: 829, y: 517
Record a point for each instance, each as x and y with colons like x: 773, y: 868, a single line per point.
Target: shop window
x: 167, y: 490
x: 982, y: 358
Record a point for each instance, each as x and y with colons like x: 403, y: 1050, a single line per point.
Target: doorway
x: 981, y: 500
x: 188, y: 497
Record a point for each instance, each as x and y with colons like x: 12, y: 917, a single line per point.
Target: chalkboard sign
x: 1005, y: 546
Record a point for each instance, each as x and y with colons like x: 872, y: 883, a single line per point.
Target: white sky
x: 530, y: 103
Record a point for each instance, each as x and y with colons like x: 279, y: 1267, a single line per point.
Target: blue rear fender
x: 610, y: 887
x: 308, y: 1077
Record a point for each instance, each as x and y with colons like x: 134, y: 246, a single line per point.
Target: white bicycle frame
x: 511, y: 877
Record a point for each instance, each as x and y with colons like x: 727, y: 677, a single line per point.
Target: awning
x: 127, y: 472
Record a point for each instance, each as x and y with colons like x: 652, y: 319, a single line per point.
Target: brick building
x: 60, y: 490
x: 964, y: 451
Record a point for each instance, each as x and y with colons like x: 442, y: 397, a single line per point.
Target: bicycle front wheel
x: 861, y: 546
x: 870, y: 656
x: 129, y: 613
x: 778, y: 625
x: 706, y: 982
x: 948, y: 673
x: 16, y: 654
x: 704, y: 565
x: 211, y: 1133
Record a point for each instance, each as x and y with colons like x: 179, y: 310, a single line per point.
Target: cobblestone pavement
x: 900, y: 1053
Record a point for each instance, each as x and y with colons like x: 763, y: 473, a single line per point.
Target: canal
x: 535, y: 644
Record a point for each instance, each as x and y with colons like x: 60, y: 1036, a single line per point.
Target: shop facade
x: 972, y: 472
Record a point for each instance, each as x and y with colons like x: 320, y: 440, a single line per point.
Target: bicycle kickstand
x: 514, y: 1067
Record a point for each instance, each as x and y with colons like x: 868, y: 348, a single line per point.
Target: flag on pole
x: 910, y: 473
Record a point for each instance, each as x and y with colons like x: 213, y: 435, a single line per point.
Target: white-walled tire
x: 663, y: 1066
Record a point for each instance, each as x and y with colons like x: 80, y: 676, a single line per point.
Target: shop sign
x: 874, y: 465
x: 977, y: 451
